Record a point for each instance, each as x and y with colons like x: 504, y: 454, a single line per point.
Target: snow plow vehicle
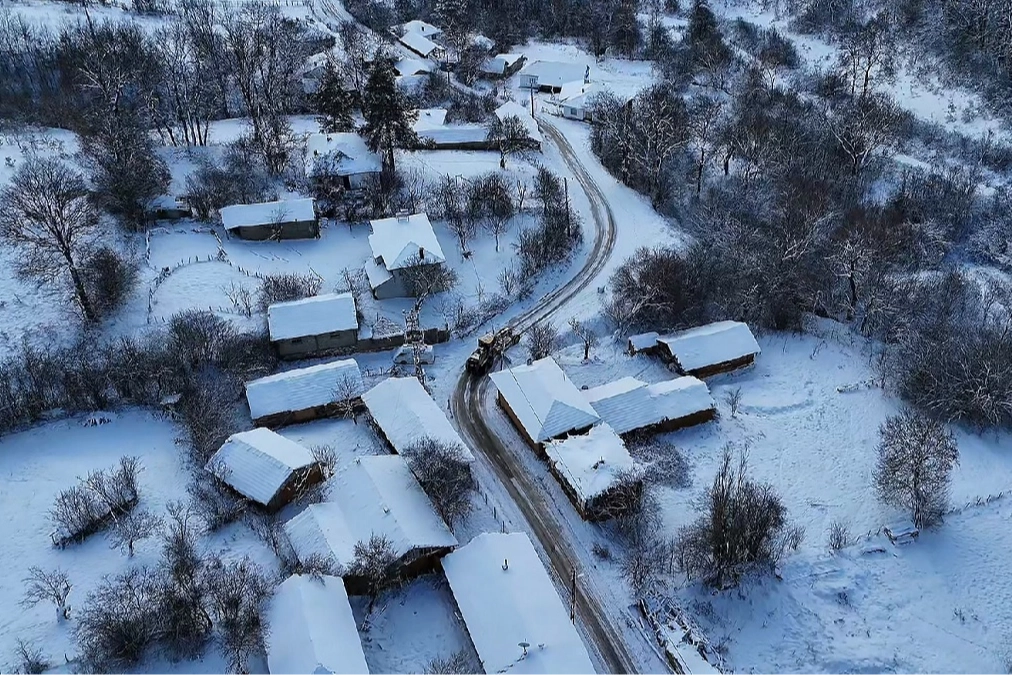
x: 490, y: 347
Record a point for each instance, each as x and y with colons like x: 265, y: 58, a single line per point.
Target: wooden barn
x: 283, y: 219
x: 710, y: 350
x: 305, y: 394
x: 630, y: 406
x: 315, y: 326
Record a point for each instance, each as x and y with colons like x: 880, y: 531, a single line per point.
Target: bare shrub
x: 458, y: 663
x: 326, y: 457
x: 601, y: 551
x: 317, y: 565
x: 916, y: 456
x: 75, y: 512
x: 117, y: 489
x: 733, y: 400
x: 102, y: 496
x: 47, y: 586
x: 197, y: 336
x: 445, y: 474
x: 375, y: 564
x: 644, y: 557
x: 586, y: 334
x: 743, y: 528
x: 207, y: 412
x: 29, y: 659
x: 654, y: 288
x: 237, y: 590
x: 542, y: 339
x: 241, y: 298
x: 186, y: 625
x: 839, y: 536
x: 269, y: 528
x: 422, y: 279
x: 216, y: 505
x: 119, y: 621
x: 134, y: 526
x: 109, y: 278
x: 285, y: 287
x: 662, y: 462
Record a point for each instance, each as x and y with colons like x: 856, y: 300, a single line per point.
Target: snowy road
x: 602, y: 620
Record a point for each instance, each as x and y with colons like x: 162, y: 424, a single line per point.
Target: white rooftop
x: 514, y: 109
x: 710, y: 345
x: 404, y: 241
x: 406, y: 414
x: 267, y: 213
x: 371, y: 495
x: 418, y: 43
x: 318, y: 315
x: 348, y: 151
x: 422, y: 28
x: 498, y: 64
x: 504, y: 607
x: 454, y: 134
x: 430, y: 118
x: 555, y: 73
x: 312, y: 629
x: 544, y: 399
x: 412, y: 67
x: 258, y: 463
x: 591, y: 463
x: 629, y: 404
x: 303, y: 388
x: 644, y: 341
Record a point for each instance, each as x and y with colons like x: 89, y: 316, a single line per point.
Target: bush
x: 96, y: 501
x: 119, y: 621
x: 237, y: 590
x: 109, y: 278
x: 445, y: 474
x: 542, y: 339
x: 375, y: 564
x: 655, y: 288
x: 182, y: 591
x: 241, y: 178
x: 285, y: 287
x: 216, y: 505
x: 839, y: 536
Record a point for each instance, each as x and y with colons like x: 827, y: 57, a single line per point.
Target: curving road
x: 540, y: 512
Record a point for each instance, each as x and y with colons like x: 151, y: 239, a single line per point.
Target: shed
x: 421, y: 45
x: 542, y: 402
x: 512, y: 612
x: 400, y: 244
x: 344, y: 155
x: 313, y: 326
x: 409, y: 67
x: 901, y: 532
x: 575, y: 107
x: 305, y: 393
x: 373, y: 495
x: 503, y: 65
x: 405, y: 414
x: 264, y: 467
x: 596, y: 472
x: 312, y: 628
x: 282, y: 219
x: 712, y: 349
x: 630, y: 405
x: 553, y: 76
x: 168, y: 207
x: 645, y: 343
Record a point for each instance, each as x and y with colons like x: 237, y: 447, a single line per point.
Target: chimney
x: 505, y: 564
x: 421, y: 253
x: 403, y: 216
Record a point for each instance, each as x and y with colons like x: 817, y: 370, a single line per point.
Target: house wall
x: 573, y: 113
x: 414, y: 563
x: 724, y: 367
x: 303, y: 229
x: 287, y: 417
x: 316, y: 345
x: 675, y: 424
x: 310, y: 475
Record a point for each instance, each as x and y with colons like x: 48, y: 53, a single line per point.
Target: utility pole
x: 572, y: 610
x: 532, y: 100
x: 569, y: 226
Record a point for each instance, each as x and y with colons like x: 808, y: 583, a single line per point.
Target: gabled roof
x: 519, y: 604
x: 430, y: 118
x: 406, y: 414
x: 629, y: 404
x: 591, y: 463
x: 422, y: 28
x: 372, y: 495
x: 555, y: 73
x: 710, y: 345
x: 643, y: 341
x: 303, y: 388
x: 346, y: 154
x: 317, y: 315
x: 258, y: 463
x: 412, y: 67
x: 514, y: 109
x: 267, y: 213
x: 498, y: 64
x: 419, y: 44
x: 405, y: 241
x: 312, y: 629
x: 544, y: 399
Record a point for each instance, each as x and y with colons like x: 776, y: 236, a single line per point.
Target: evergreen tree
x: 333, y: 101
x: 625, y: 34
x: 388, y: 116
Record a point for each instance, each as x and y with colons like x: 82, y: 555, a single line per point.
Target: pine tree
x: 626, y: 35
x: 333, y: 101
x: 388, y: 117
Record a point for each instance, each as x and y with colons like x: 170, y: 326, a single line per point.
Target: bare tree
x: 509, y: 136
x: 30, y: 659
x: 119, y: 621
x: 867, y: 51
x: 916, y: 456
x: 704, y: 118
x: 586, y: 335
x: 53, y: 586
x: 449, y: 204
x: 423, y: 278
x: 733, y: 399
x: 46, y: 214
x: 863, y: 127
x: 374, y: 564
x: 839, y: 536
x: 134, y: 526
x: 347, y: 397
x: 459, y: 663
x: 186, y: 625
x: 238, y: 589
x: 499, y: 206
x: 445, y: 474
x: 241, y: 298
x: 542, y: 339
x: 326, y: 457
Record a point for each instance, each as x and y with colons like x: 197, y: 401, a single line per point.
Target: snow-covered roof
x: 643, y: 341
x: 348, y: 152
x: 498, y: 64
x: 412, y: 67
x: 591, y: 463
x: 629, y: 404
x: 372, y: 495
x: 303, y: 388
x: 418, y: 43
x: 258, y: 463
x: 544, y: 399
x: 504, y: 607
x: 514, y: 109
x: 454, y: 134
x: 555, y: 73
x: 405, y: 241
x: 267, y: 213
x: 421, y: 27
x: 482, y: 41
x: 317, y: 315
x: 406, y: 414
x: 711, y: 344
x: 312, y: 629
x: 429, y: 118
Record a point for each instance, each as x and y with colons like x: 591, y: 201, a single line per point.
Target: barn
x: 305, y: 394
x: 344, y: 155
x: 421, y: 45
x: 503, y: 65
x: 313, y: 326
x: 283, y: 219
x: 632, y: 406
x: 404, y: 414
x: 553, y: 76
x: 710, y: 350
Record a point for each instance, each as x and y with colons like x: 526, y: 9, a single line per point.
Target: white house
x: 422, y: 28
x: 708, y: 350
x: 421, y: 45
x: 304, y: 394
x: 512, y: 612
x: 590, y: 467
x: 282, y: 219
x: 432, y: 129
x: 405, y: 414
x: 410, y: 67
x: 630, y: 405
x: 552, y: 76
x: 398, y: 245
x: 542, y: 401
x: 503, y: 65
x: 312, y: 629
x: 345, y: 155
x: 575, y: 107
x: 313, y: 326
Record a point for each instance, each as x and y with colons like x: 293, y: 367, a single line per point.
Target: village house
x: 265, y: 467
x: 710, y: 350
x: 512, y: 612
x: 283, y: 219
x: 305, y: 394
x: 542, y: 402
x: 168, y: 207
x: 375, y: 495
x: 344, y: 155
x: 312, y: 628
x: 400, y: 245
x: 435, y: 134
x: 313, y: 326
x: 552, y: 76
x: 412, y: 67
x: 423, y: 28
x: 503, y: 65
x: 421, y: 45
x: 596, y: 472
x: 643, y: 343
x: 630, y: 406
x: 404, y: 414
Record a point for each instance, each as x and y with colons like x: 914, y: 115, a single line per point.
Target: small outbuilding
x: 312, y: 628
x: 553, y: 76
x: 400, y: 245
x: 710, y: 350
x: 421, y: 45
x: 305, y: 394
x: 265, y: 467
x: 632, y: 406
x: 376, y: 495
x: 503, y: 65
x: 404, y: 414
x: 510, y: 607
x: 542, y: 402
x: 283, y: 219
x: 596, y: 472
x: 344, y: 155
x: 313, y: 326
x: 168, y: 207
x: 644, y: 343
